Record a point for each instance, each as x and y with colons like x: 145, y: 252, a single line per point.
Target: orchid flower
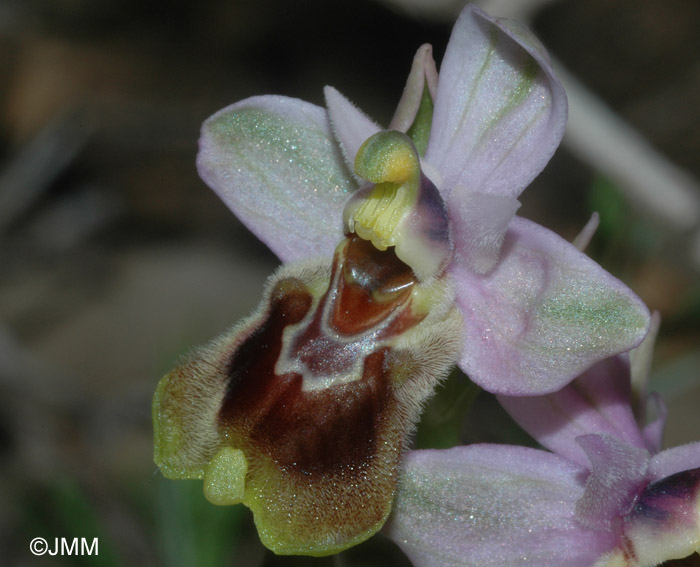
x: 604, y: 496
x: 402, y: 257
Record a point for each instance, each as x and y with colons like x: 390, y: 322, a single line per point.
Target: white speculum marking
x: 327, y: 359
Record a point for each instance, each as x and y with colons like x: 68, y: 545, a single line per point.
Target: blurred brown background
x: 115, y: 257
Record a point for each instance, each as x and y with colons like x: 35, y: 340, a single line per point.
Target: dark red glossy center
x: 372, y: 284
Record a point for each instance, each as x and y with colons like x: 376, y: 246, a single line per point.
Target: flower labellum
x: 302, y: 411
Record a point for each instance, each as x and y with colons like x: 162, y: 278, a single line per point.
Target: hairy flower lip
x: 306, y: 422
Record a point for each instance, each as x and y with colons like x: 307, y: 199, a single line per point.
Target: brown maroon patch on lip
x: 373, y: 283
x: 330, y: 429
x: 316, y: 431
x: 252, y: 384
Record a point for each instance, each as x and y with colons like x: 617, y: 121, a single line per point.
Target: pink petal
x: 618, y: 476
x: 544, y: 314
x: 641, y: 360
x: 491, y: 505
x: 500, y: 111
x: 273, y: 161
x: 598, y: 401
x: 423, y: 72
x: 584, y: 237
x: 675, y: 460
x: 653, y: 432
x: 351, y: 126
x: 479, y: 223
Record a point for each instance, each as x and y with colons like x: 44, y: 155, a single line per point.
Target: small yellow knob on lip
x: 224, y: 479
